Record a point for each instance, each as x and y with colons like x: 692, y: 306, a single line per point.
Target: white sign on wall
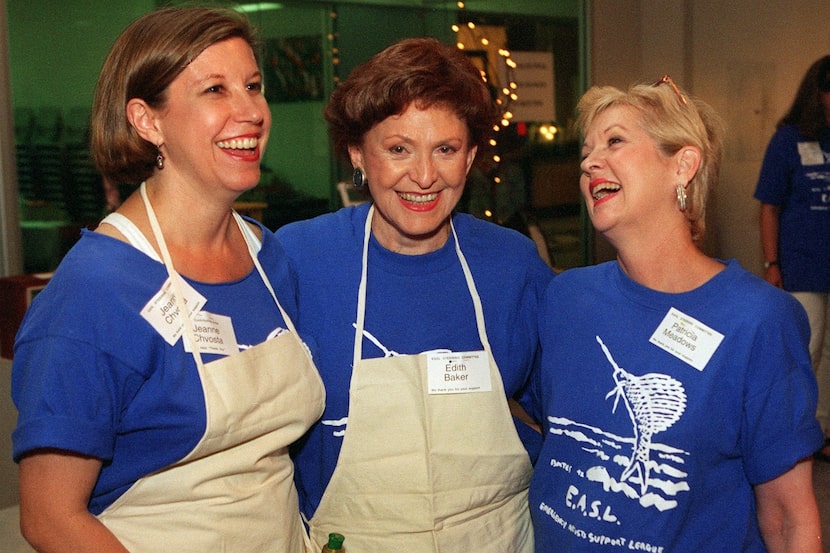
x: 534, y: 77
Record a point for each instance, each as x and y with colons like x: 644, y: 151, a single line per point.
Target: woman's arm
x: 788, y: 513
x: 55, y: 487
x: 770, y: 215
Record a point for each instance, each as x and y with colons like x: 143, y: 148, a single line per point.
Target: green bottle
x: 335, y: 543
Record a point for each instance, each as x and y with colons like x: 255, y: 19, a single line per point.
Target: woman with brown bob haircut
x: 158, y: 378
x: 424, y: 322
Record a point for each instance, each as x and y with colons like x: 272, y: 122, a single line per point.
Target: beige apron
x: 234, y: 492
x: 425, y: 473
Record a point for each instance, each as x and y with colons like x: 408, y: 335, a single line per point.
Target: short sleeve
x: 780, y: 426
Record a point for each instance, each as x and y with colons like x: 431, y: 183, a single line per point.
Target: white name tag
x: 810, y: 153
x: 686, y: 338
x: 458, y: 372
x: 213, y: 334
x: 163, y: 313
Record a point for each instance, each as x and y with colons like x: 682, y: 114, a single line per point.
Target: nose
x: 423, y: 172
x: 591, y: 160
x: 251, y: 107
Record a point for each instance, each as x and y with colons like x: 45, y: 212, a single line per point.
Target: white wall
x: 744, y: 57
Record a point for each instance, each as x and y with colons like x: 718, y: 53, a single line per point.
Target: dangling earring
x: 681, y: 197
x: 359, y: 179
x: 160, y: 159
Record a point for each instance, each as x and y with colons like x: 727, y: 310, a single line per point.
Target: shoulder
x: 490, y: 240
x: 584, y: 277
x: 95, y: 296
x: 746, y: 285
x: 505, y: 255
x: 577, y: 287
x: 760, y: 302
x: 786, y: 135
x: 784, y: 143
x: 345, y: 224
x: 99, y: 263
x: 467, y: 225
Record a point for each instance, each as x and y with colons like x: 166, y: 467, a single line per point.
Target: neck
x: 393, y: 240
x: 191, y: 220
x: 671, y: 266
x: 202, y: 237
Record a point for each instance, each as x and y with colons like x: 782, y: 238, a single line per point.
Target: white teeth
x: 604, y: 189
x: 418, y: 198
x: 238, y: 143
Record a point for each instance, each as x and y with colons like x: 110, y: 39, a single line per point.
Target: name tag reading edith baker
x: 458, y: 372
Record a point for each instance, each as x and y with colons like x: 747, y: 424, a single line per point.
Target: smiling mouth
x: 239, y: 144
x: 604, y: 189
x: 418, y: 198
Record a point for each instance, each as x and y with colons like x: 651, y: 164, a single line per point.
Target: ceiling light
x: 258, y: 7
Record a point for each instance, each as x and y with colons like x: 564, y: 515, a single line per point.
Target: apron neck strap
x: 361, y: 291
x: 175, y: 277
x: 471, y: 286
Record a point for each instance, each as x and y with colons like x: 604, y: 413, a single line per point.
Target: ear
x: 688, y: 162
x: 471, y: 157
x: 356, y: 156
x: 143, y: 119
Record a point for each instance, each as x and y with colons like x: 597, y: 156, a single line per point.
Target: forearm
x: 796, y: 537
x: 788, y: 513
x: 770, y: 224
x: 55, y: 489
x: 769, y: 231
x: 82, y: 533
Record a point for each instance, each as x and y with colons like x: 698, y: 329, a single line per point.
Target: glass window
x: 56, y: 50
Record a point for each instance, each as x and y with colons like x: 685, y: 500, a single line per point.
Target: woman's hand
x: 772, y: 274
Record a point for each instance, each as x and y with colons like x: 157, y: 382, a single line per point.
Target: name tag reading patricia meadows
x: 686, y: 338
x: 458, y: 372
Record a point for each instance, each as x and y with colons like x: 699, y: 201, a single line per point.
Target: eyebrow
x: 605, y: 131
x: 212, y: 76
x: 614, y: 125
x: 407, y: 138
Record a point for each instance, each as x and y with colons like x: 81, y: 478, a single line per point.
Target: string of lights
x: 334, y: 50
x: 468, y: 38
x: 498, y: 70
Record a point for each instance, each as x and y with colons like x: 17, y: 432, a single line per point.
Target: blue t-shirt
x: 91, y: 376
x: 414, y: 304
x: 795, y: 176
x: 662, y: 411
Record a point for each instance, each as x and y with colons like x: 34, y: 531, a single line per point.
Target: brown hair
x: 151, y: 52
x: 673, y: 120
x: 416, y: 70
x: 807, y: 111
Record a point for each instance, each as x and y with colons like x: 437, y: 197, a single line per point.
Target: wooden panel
x: 554, y: 183
x: 16, y: 293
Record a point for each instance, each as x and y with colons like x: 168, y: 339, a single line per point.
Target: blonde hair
x: 673, y: 120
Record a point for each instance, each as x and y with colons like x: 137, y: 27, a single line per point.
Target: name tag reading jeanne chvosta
x: 686, y: 338
x: 213, y: 334
x: 458, y: 372
x: 162, y: 311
